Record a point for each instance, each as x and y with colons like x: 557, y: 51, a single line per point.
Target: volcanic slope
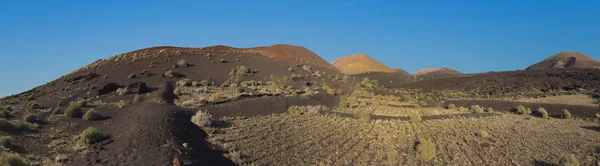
x: 129, y: 93
x: 566, y: 60
x: 436, y: 73
x: 363, y: 66
x: 359, y: 64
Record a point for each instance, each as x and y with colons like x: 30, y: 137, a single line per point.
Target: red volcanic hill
x: 436, y: 73
x: 360, y: 64
x: 566, y: 60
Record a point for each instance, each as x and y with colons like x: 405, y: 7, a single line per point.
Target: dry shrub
x: 542, y: 112
x: 567, y: 114
x: 31, y: 118
x: 363, y: 115
x: 476, y: 109
x: 331, y: 91
x: 217, y: 96
x: 202, y: 119
x: 91, y: 115
x: 451, y: 106
x: 522, y: 110
x: 13, y: 159
x: 489, y: 109
x: 6, y: 141
x: 91, y: 135
x: 415, y: 117
x: 425, y: 149
x: 73, y: 111
x: 569, y: 160
x: 34, y: 105
x: 482, y: 133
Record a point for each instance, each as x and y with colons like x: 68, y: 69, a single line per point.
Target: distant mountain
x: 360, y: 64
x: 566, y: 60
x: 436, y: 73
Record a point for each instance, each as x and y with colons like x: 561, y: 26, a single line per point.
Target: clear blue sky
x: 42, y: 40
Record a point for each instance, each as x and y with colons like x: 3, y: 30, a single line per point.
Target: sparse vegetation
x: 91, y: 115
x: 91, y: 135
x: 137, y: 99
x: 521, y: 110
x: 451, y: 106
x: 170, y: 74
x: 74, y: 110
x: 363, y: 115
x: 542, y: 112
x: 202, y: 119
x: 476, y: 109
x: 182, y: 63
x: 489, y: 109
x: 34, y: 105
x: 123, y: 91
x: 425, y: 149
x: 569, y: 160
x: 29, y: 117
x: 6, y: 141
x: 567, y: 114
x: 12, y: 159
x: 482, y: 133
x: 415, y: 117
x: 10, y: 126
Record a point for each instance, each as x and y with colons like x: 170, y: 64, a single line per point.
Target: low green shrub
x: 521, y: 110
x: 567, y: 114
x: 363, y: 115
x: 569, y: 160
x: 34, y: 105
x: 31, y: 118
x: 476, y: 109
x: 13, y: 159
x: 482, y: 133
x: 91, y: 115
x: 73, y: 111
x: 542, y: 112
x: 425, y: 149
x: 91, y: 135
x: 6, y: 141
x: 451, y: 106
x: 415, y: 117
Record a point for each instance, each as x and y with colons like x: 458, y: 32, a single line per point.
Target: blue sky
x: 42, y: 40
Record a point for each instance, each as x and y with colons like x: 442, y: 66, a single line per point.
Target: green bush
x: 482, y: 133
x: 31, y: 118
x: 415, y: 117
x: 294, y: 110
x: 521, y: 110
x: 91, y: 115
x: 476, y: 109
x: 569, y: 160
x: 363, y: 115
x: 91, y: 136
x: 12, y: 159
x: 542, y: 112
x: 451, y: 106
x: 567, y: 114
x: 9, y: 126
x: 34, y: 105
x: 73, y: 111
x: 137, y: 98
x: 6, y: 141
x: 425, y: 149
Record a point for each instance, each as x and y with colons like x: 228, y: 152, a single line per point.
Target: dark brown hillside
x: 498, y: 83
x: 566, y: 60
x: 147, y: 133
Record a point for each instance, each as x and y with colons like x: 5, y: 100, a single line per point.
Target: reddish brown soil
x: 436, y: 73
x: 566, y: 60
x: 151, y: 134
x: 359, y: 64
